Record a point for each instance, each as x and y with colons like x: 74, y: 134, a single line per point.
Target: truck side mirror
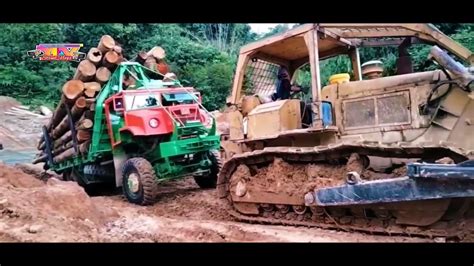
x: 118, y: 104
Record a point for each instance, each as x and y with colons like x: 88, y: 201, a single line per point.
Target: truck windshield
x: 139, y: 101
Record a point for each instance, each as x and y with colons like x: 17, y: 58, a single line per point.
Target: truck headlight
x: 153, y: 123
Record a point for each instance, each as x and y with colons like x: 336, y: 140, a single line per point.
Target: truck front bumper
x: 189, y: 146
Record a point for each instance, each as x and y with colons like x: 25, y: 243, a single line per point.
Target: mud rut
x: 56, y: 211
x: 185, y: 213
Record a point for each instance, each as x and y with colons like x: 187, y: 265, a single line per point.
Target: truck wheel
x: 210, y: 180
x: 74, y: 175
x: 139, y: 181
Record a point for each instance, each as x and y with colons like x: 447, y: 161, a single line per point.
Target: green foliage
x: 214, y: 90
x: 202, y: 55
x: 22, y: 77
x: 275, y: 30
x: 465, y: 36
x: 226, y: 37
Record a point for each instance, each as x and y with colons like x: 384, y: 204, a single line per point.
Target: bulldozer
x: 367, y: 152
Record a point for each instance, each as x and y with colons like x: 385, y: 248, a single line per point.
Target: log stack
x: 79, y: 94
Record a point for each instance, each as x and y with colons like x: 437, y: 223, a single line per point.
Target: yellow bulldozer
x: 367, y: 152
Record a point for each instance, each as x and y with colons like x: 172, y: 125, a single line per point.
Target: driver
x: 151, y: 101
x: 284, y: 87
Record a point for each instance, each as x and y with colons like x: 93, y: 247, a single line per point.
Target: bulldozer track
x: 449, y: 229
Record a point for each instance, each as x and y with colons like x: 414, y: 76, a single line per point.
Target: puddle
x: 12, y: 157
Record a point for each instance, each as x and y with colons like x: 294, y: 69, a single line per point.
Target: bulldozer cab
x: 309, y: 45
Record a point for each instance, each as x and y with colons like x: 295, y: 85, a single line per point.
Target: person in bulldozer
x: 284, y: 88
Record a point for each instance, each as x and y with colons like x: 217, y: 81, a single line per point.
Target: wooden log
x: 72, y: 89
x: 58, y: 114
x: 117, y: 49
x: 169, y: 77
x: 141, y: 57
x: 111, y: 60
x: 85, y: 71
x: 62, y: 148
x: 94, y: 56
x: 83, y: 135
x: 63, y: 139
x: 150, y: 63
x: 76, y: 113
x: 67, y: 154
x: 90, y: 93
x: 157, y: 52
x: 162, y: 68
x: 61, y: 128
x: 89, y: 114
x: 128, y: 81
x: 90, y: 102
x: 64, y: 155
x: 92, y: 86
x: 42, y: 158
x: 41, y: 145
x: 78, y: 108
x: 84, y: 123
x: 106, y: 43
x: 102, y: 75
x: 84, y: 147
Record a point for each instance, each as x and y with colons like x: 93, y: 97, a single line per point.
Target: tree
x: 275, y: 30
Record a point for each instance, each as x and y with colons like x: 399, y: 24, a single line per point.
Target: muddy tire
x: 210, y: 180
x: 139, y: 182
x: 74, y: 175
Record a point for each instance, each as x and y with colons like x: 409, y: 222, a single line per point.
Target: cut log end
x: 102, y: 75
x: 81, y: 102
x: 90, y: 93
x: 150, y: 63
x: 85, y: 71
x: 84, y: 124
x: 94, y: 55
x: 106, y: 43
x: 95, y: 86
x: 157, y: 52
x: 72, y: 89
x: 111, y: 59
x: 162, y: 68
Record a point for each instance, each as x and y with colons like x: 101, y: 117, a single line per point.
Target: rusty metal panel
x: 393, y: 109
x: 360, y: 113
x: 378, y: 110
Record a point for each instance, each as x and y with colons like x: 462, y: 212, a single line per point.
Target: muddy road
x: 41, y: 208
x: 185, y: 213
x: 57, y: 211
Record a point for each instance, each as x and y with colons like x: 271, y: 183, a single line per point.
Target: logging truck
x: 139, y: 133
